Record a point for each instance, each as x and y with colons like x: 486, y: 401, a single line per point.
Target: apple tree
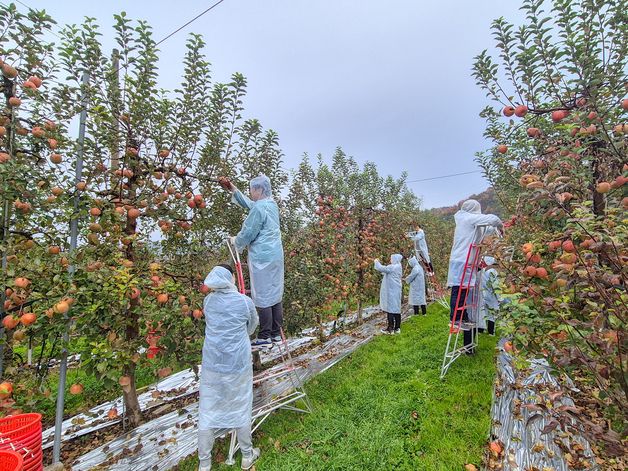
x: 559, y: 162
x: 154, y: 217
x: 37, y: 192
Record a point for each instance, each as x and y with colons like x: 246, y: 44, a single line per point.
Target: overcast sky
x: 387, y: 80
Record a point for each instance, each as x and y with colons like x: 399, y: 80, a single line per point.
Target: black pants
x: 461, y: 302
x: 394, y: 321
x: 423, y: 309
x: 270, y: 321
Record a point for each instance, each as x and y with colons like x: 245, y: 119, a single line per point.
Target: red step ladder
x: 469, y: 300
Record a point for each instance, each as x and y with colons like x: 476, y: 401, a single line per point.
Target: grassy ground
x: 385, y: 408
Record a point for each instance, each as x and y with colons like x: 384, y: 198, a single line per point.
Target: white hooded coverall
x: 416, y: 280
x: 467, y: 219
x: 226, y: 386
x: 390, y: 290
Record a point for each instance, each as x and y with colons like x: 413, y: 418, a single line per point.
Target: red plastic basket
x: 35, y: 463
x: 32, y: 434
x: 34, y: 467
x: 17, y: 426
x: 23, y: 445
x: 10, y: 461
x: 32, y: 458
x: 33, y: 441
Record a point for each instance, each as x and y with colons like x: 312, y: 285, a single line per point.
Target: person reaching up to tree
x: 420, y: 248
x: 261, y: 235
x: 471, y: 227
x: 390, y: 292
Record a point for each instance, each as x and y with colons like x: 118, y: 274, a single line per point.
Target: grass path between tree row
x: 385, y: 408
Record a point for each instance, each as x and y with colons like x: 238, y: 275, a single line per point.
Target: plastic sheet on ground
x: 176, y: 386
x: 518, y: 422
x: 173, y: 387
x: 162, y: 443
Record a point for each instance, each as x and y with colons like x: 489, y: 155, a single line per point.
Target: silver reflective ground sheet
x: 518, y: 422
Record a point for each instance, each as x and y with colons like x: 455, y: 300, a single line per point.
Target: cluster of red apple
x: 563, y: 265
x: 39, y: 133
x: 163, y: 298
x: 532, y: 181
x: 16, y: 299
x: 47, y: 132
x: 584, y: 125
x: 533, y: 259
x: 30, y: 85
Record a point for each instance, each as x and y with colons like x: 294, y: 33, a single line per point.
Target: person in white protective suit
x: 420, y: 247
x: 226, y: 387
x: 390, y: 292
x: 467, y: 219
x: 261, y: 234
x: 416, y: 280
x: 490, y: 301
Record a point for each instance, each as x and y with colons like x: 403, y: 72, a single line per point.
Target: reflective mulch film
x: 525, y: 403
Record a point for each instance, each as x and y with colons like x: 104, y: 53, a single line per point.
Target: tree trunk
x: 321, y: 331
x: 131, y: 403
x: 599, y: 203
x: 359, y: 309
x: 257, y: 361
x: 360, y: 281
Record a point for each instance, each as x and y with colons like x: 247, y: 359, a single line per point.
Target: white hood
x: 220, y: 279
x: 471, y: 206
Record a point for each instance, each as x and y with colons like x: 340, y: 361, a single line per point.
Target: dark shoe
x: 261, y: 344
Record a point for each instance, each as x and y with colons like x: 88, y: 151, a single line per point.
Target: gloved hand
x: 232, y: 240
x: 226, y: 184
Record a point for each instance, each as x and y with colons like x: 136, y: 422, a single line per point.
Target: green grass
x: 385, y: 408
